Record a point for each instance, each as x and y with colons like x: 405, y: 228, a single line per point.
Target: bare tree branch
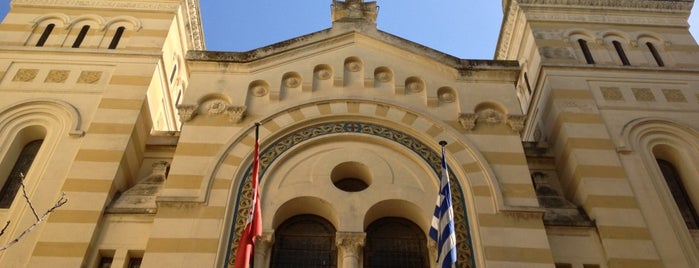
x: 60, y: 202
x: 24, y: 193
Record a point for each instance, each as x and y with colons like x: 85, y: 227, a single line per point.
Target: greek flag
x: 442, y: 230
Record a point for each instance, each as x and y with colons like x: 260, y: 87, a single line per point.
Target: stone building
x: 575, y: 147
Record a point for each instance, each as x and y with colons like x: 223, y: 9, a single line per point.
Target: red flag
x: 253, y: 226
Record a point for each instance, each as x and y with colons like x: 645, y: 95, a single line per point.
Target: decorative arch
x: 64, y: 113
x: 272, y: 151
x: 653, y: 138
x: 131, y: 23
x: 57, y: 17
x: 402, y: 134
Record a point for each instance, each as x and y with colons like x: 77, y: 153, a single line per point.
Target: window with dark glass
x: 81, y: 36
x: 620, y: 51
x: 586, y: 51
x: 395, y: 242
x: 20, y: 169
x: 117, y: 36
x: 656, y: 55
x: 304, y: 241
x: 674, y: 183
x: 106, y: 262
x: 173, y: 73
x: 45, y: 35
x: 135, y: 262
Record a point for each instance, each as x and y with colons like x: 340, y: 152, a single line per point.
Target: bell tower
x: 590, y: 69
x: 95, y: 80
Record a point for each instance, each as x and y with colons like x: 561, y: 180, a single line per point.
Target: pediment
x: 329, y: 40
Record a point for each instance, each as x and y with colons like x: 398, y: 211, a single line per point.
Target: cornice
x: 122, y: 4
x: 685, y: 5
x: 194, y: 25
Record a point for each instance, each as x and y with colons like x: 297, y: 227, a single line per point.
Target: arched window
x: 395, y: 242
x: 620, y: 51
x: 656, y: 55
x: 45, y: 35
x: 586, y: 51
x: 81, y: 36
x: 304, y: 241
x: 20, y: 168
x: 674, y: 183
x: 117, y: 36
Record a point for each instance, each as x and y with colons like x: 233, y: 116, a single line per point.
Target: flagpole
x: 442, y: 230
x: 253, y: 225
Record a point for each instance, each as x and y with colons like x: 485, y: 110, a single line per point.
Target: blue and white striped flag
x: 442, y: 230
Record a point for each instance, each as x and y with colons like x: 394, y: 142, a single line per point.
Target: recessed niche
x: 351, y: 176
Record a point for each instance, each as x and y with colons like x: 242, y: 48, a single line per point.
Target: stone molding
x: 100, y: 4
x: 491, y: 117
x: 236, y: 114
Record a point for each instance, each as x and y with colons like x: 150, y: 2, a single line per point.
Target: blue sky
x: 465, y: 29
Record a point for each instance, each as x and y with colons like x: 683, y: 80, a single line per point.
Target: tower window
x: 173, y: 73
x: 622, y: 54
x: 684, y: 204
x: 117, y: 36
x: 655, y: 54
x: 21, y: 167
x: 81, y: 36
x: 586, y: 51
x: 45, y: 35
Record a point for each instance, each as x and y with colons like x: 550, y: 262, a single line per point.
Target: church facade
x: 577, y: 146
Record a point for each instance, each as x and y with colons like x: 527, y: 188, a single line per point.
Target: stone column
x: 263, y: 246
x: 349, y: 246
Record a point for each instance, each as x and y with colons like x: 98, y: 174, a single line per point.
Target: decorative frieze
x: 89, y: 77
x: 674, y: 95
x: 142, y: 5
x: 25, y: 75
x: 57, y: 76
x: 612, y: 93
x: 643, y: 94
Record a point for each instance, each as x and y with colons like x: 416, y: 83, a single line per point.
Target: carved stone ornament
x: 236, y: 113
x: 643, y: 94
x: 354, y: 66
x: 57, y: 76
x: 323, y: 74
x: 351, y: 243
x: 612, y: 93
x: 260, y: 91
x: 25, y: 75
x: 187, y: 112
x: 490, y: 117
x: 216, y: 107
x: 447, y: 97
x: 674, y: 95
x: 89, y: 77
x: 102, y: 4
x: 415, y: 87
x: 292, y: 82
x: 384, y: 76
x: 516, y: 122
x: 468, y: 120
